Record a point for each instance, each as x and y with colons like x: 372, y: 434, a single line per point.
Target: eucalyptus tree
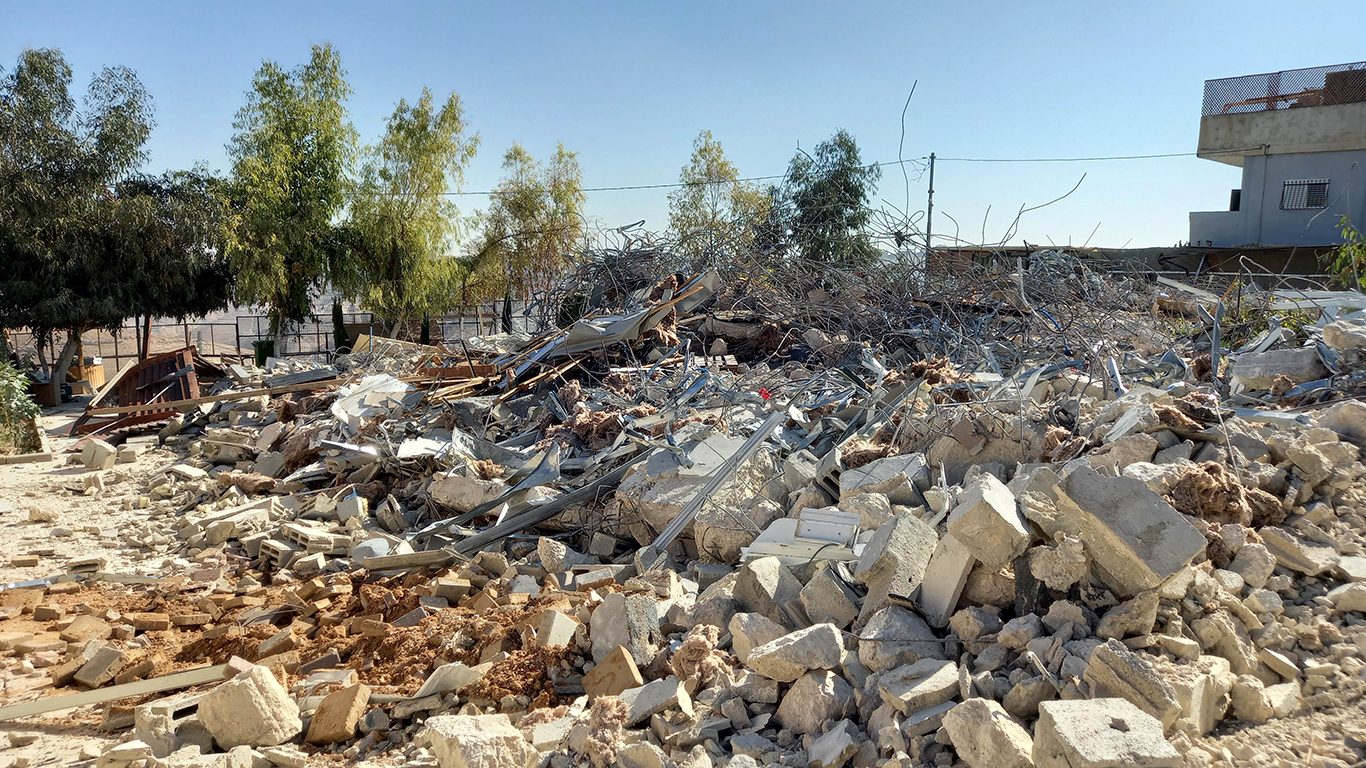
x: 403, y: 225
x: 290, y: 154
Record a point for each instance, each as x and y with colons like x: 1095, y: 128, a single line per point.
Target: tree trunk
x: 5, y: 349
x: 73, y: 343
x: 277, y: 331
x: 146, y: 338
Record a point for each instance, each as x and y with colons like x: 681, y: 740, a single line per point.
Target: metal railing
x: 1290, y: 89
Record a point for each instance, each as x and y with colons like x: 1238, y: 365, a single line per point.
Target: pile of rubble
x: 600, y: 547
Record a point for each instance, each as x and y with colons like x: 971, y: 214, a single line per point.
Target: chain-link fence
x: 1291, y: 89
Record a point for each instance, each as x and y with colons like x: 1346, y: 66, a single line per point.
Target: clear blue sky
x: 629, y: 85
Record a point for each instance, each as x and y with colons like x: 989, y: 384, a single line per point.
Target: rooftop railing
x: 1290, y: 89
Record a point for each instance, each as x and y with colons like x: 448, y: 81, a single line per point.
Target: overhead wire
x: 917, y: 161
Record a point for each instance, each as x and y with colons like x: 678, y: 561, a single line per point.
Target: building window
x: 1301, y: 194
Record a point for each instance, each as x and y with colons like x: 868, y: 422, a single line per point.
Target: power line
x: 1060, y: 159
x: 908, y: 161
x: 678, y: 184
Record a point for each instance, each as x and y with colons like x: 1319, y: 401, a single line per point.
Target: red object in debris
x: 764, y: 393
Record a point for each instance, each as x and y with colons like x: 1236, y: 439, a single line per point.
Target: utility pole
x: 929, y: 210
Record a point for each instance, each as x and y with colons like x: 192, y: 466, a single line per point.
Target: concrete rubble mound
x: 601, y: 547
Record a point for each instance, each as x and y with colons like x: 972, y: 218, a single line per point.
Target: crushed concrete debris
x: 567, y: 556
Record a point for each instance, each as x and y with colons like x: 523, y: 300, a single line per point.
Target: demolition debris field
x: 1068, y: 514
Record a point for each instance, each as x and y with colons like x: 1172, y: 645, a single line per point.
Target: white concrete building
x: 1300, y: 138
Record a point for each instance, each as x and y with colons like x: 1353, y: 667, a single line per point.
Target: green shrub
x: 17, y: 411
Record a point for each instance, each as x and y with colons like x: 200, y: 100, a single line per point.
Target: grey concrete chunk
x: 988, y: 522
x: 894, y: 561
x: 895, y: 477
x: 793, y: 655
x: 1258, y: 370
x: 895, y: 637
x: 251, y: 709
x: 916, y: 686
x: 764, y: 586
x: 1100, y: 733
x: 1298, y: 554
x: 945, y: 577
x: 1134, y: 537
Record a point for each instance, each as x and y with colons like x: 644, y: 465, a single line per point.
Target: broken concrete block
x: 653, y: 698
x: 985, y: 736
x: 873, y: 509
x: 617, y: 672
x: 815, y: 698
x: 463, y: 493
x: 1130, y: 449
x: 1134, y: 537
x: 722, y: 533
x: 1201, y: 691
x: 1017, y: 633
x: 1347, y: 418
x: 1296, y: 553
x: 1255, y: 563
x: 945, y: 576
x: 764, y: 586
x: 799, y: 469
x: 641, y: 755
x: 338, y: 715
x: 827, y: 598
x: 974, y: 622
x: 449, y: 677
x: 894, y: 561
x: 478, y: 741
x: 1348, y: 597
x: 895, y: 477
x: 916, y: 686
x: 895, y: 637
x: 252, y: 709
x: 835, y: 747
x: 1132, y: 617
x: 626, y: 620
x: 1100, y: 733
x: 793, y: 655
x: 554, y: 628
x: 1062, y: 565
x: 750, y: 630
x: 98, y: 454
x: 1116, y: 671
x: 1258, y: 370
x: 1219, y: 632
x: 988, y: 523
x: 1249, y: 700
x: 1024, y: 698
x: 101, y: 668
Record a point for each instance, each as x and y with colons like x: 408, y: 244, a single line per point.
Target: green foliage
x: 404, y: 225
x: 63, y: 262
x: 825, y: 205
x: 292, y: 146
x: 17, y: 410
x: 714, y: 216
x: 172, y: 233
x: 1348, y: 261
x: 535, y: 217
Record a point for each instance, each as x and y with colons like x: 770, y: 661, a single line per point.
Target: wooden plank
x: 185, y: 405
x: 113, y: 693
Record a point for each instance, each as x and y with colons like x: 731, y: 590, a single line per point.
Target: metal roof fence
x: 1290, y: 89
